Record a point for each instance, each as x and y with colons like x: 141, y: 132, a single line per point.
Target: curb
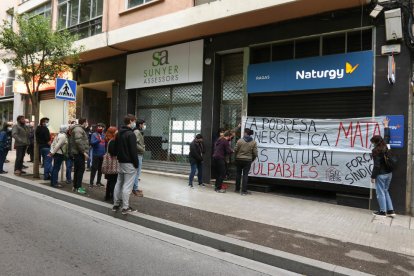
x: 269, y: 256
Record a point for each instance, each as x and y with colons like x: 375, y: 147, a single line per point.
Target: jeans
x: 57, y: 163
x: 140, y: 157
x: 3, y: 155
x: 242, y: 167
x: 79, y: 164
x: 20, y: 152
x: 124, y: 184
x: 47, y: 163
x: 196, y: 166
x: 69, y: 164
x: 382, y: 183
x: 221, y: 171
x: 96, y: 167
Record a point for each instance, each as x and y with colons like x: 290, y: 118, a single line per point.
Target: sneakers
x: 69, y: 182
x: 221, y: 191
x: 81, y: 191
x: 191, y: 186
x: 128, y: 210
x: 138, y: 193
x: 3, y: 172
x: 202, y: 185
x: 100, y: 185
x: 391, y: 213
x: 115, y: 208
x: 380, y: 214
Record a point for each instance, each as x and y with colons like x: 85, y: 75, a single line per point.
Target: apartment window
x: 43, y: 10
x: 81, y: 17
x: 10, y: 17
x: 134, y: 3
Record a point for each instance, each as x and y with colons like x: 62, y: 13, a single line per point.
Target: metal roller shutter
x: 334, y: 105
x: 316, y: 105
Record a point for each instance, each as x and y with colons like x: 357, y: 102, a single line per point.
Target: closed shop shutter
x: 47, y: 95
x: 335, y: 105
x: 316, y: 105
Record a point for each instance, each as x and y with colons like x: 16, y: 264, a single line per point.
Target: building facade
x: 183, y: 66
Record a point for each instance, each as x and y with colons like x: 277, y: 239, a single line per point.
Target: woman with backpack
x: 382, y: 173
x: 246, y: 153
x: 59, y: 152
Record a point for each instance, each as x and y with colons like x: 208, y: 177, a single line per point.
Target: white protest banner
x: 332, y: 150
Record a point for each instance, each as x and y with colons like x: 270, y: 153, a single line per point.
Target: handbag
x: 110, y: 163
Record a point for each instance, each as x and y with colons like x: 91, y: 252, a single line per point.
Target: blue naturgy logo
x: 324, y: 74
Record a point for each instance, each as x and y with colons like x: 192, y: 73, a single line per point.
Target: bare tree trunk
x: 36, y: 113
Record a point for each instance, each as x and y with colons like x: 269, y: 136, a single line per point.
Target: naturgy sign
x: 176, y: 64
x: 333, y: 71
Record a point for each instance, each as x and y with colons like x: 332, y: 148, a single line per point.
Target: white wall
x: 55, y: 111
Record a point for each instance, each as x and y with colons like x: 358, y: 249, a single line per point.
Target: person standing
x: 79, y: 147
x: 110, y: 137
x: 69, y: 159
x: 196, y: 160
x: 5, y: 145
x: 246, y: 153
x: 381, y: 174
x: 98, y: 151
x: 43, y: 139
x: 221, y: 149
x: 58, y: 151
x: 30, y: 148
x: 140, y: 149
x: 20, y: 133
x: 128, y: 164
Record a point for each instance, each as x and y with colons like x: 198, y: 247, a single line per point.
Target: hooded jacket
x: 196, y: 151
x: 60, y: 144
x: 126, y: 144
x: 78, y: 141
x: 246, y: 149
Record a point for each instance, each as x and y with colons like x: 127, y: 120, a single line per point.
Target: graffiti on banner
x: 332, y: 150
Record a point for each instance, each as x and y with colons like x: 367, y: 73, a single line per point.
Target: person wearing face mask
x: 43, y: 139
x: 221, y: 149
x: 98, y: 151
x: 381, y: 174
x: 5, y: 145
x: 127, y: 153
x: 78, y: 148
x: 20, y: 133
x: 141, y: 149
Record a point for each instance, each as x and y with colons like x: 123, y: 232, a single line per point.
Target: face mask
x: 144, y: 127
x: 133, y: 125
x: 47, y: 124
x: 99, y: 130
x: 27, y: 124
x: 9, y: 129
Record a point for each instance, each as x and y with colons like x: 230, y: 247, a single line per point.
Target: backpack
x: 71, y: 142
x: 390, y: 160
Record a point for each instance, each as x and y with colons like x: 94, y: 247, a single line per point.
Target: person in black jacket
x: 43, y: 139
x: 196, y: 160
x: 127, y: 156
x: 382, y: 174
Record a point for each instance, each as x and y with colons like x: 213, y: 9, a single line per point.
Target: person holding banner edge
x: 382, y: 174
x: 246, y: 153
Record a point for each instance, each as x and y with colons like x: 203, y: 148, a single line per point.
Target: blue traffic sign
x: 65, y: 90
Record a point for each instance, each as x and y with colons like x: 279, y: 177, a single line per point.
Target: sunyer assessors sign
x: 333, y: 71
x: 182, y: 63
x: 335, y: 151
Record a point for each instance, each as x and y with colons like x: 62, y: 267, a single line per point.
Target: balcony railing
x: 201, y: 2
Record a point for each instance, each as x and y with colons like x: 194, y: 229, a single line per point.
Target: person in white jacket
x: 59, y: 151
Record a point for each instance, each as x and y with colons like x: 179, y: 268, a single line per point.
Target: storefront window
x: 307, y: 48
x: 173, y: 118
x: 81, y: 17
x: 134, y: 3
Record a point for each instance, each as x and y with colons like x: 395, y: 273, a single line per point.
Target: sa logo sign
x: 160, y: 58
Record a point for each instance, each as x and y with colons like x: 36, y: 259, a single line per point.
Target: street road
x: 40, y: 235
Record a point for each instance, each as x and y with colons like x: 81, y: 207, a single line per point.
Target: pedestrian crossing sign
x: 65, y: 90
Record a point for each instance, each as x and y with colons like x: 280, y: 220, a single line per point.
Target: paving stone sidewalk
x: 340, y: 235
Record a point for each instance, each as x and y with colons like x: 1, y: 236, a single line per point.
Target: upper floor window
x: 10, y: 17
x: 83, y: 17
x: 43, y: 10
x: 134, y: 3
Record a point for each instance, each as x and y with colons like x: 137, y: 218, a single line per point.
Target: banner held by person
x: 327, y: 150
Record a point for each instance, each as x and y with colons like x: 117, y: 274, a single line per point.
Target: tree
x: 41, y: 54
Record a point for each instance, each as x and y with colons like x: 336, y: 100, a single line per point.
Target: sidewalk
x: 336, y: 234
